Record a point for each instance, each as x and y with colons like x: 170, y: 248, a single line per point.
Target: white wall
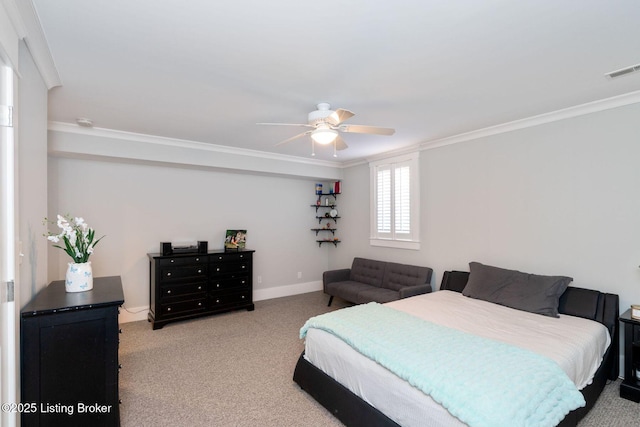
x: 558, y: 198
x: 31, y: 130
x: 137, y: 206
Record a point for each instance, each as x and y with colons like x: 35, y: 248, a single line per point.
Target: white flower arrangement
x: 77, y: 236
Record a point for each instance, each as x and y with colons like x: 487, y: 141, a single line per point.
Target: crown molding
x: 554, y: 116
x: 563, y: 114
x: 73, y: 141
x: 26, y: 22
x: 182, y: 143
x: 566, y: 113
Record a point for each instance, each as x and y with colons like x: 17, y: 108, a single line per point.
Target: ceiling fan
x: 326, y: 126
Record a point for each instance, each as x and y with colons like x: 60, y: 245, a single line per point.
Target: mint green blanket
x: 482, y: 382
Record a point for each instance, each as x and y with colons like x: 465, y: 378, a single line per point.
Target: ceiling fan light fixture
x: 324, y: 136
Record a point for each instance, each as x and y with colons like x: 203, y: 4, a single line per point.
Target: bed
x: 361, y: 392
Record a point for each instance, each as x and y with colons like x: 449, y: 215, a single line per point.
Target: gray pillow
x: 511, y: 288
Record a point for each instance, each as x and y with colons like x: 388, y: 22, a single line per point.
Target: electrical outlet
x: 299, y: 274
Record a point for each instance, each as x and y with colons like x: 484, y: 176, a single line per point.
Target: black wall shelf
x: 327, y: 201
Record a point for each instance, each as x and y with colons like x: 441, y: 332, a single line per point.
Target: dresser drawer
x: 178, y: 290
x: 636, y: 333
x: 188, y: 271
x: 231, y: 257
x: 229, y: 282
x: 231, y: 267
x: 230, y: 299
x: 182, y: 307
x: 183, y: 260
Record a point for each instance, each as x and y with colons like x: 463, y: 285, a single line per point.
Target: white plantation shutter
x: 383, y: 223
x: 394, y: 202
x: 402, y: 205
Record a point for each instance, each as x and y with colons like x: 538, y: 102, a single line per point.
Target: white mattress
x: 576, y: 344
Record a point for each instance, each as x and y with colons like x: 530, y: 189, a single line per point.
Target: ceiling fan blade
x: 287, y: 124
x: 340, y: 144
x: 373, y: 130
x: 339, y: 116
x: 300, y: 135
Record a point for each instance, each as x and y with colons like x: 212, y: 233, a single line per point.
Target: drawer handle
x: 119, y: 331
x: 241, y: 256
x: 217, y: 301
x: 199, y: 304
x: 199, y: 271
x: 217, y: 285
x: 171, y: 260
x: 199, y: 288
x: 219, y: 257
x: 242, y: 296
x: 168, y: 308
x: 168, y: 274
x: 197, y: 259
x: 218, y: 269
x: 169, y: 291
x: 243, y: 282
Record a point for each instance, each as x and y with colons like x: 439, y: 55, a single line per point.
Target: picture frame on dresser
x: 235, y: 240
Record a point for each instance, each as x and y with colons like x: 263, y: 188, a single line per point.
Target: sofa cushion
x: 397, y: 276
x: 380, y: 295
x: 347, y: 290
x: 367, y: 271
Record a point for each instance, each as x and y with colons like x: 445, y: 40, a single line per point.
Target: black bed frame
x: 586, y: 303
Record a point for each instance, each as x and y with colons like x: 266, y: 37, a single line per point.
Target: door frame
x: 9, y: 326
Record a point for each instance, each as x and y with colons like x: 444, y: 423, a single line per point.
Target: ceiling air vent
x: 623, y: 71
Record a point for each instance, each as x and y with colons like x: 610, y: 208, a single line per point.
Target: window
x: 395, y: 202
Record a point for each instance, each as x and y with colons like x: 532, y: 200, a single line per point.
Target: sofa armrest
x: 335, y: 276
x: 409, y: 291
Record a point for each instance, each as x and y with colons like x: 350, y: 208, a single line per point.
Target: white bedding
x: 576, y: 344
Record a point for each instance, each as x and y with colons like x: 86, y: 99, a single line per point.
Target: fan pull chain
x: 335, y: 149
x: 313, y: 149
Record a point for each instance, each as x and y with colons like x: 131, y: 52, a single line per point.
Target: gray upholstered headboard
x: 586, y: 303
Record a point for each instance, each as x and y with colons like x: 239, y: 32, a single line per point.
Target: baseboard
x: 134, y: 314
x: 287, y: 290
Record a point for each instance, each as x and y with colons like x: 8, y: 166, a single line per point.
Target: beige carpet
x: 235, y: 369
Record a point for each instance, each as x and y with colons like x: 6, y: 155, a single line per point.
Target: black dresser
x: 184, y: 286
x: 630, y: 387
x: 69, y: 350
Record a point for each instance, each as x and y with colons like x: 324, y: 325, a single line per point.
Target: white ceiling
x: 208, y: 71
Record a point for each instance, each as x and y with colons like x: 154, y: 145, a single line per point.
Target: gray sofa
x: 369, y: 280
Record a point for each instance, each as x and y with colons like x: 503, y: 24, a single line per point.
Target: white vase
x: 79, y: 277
